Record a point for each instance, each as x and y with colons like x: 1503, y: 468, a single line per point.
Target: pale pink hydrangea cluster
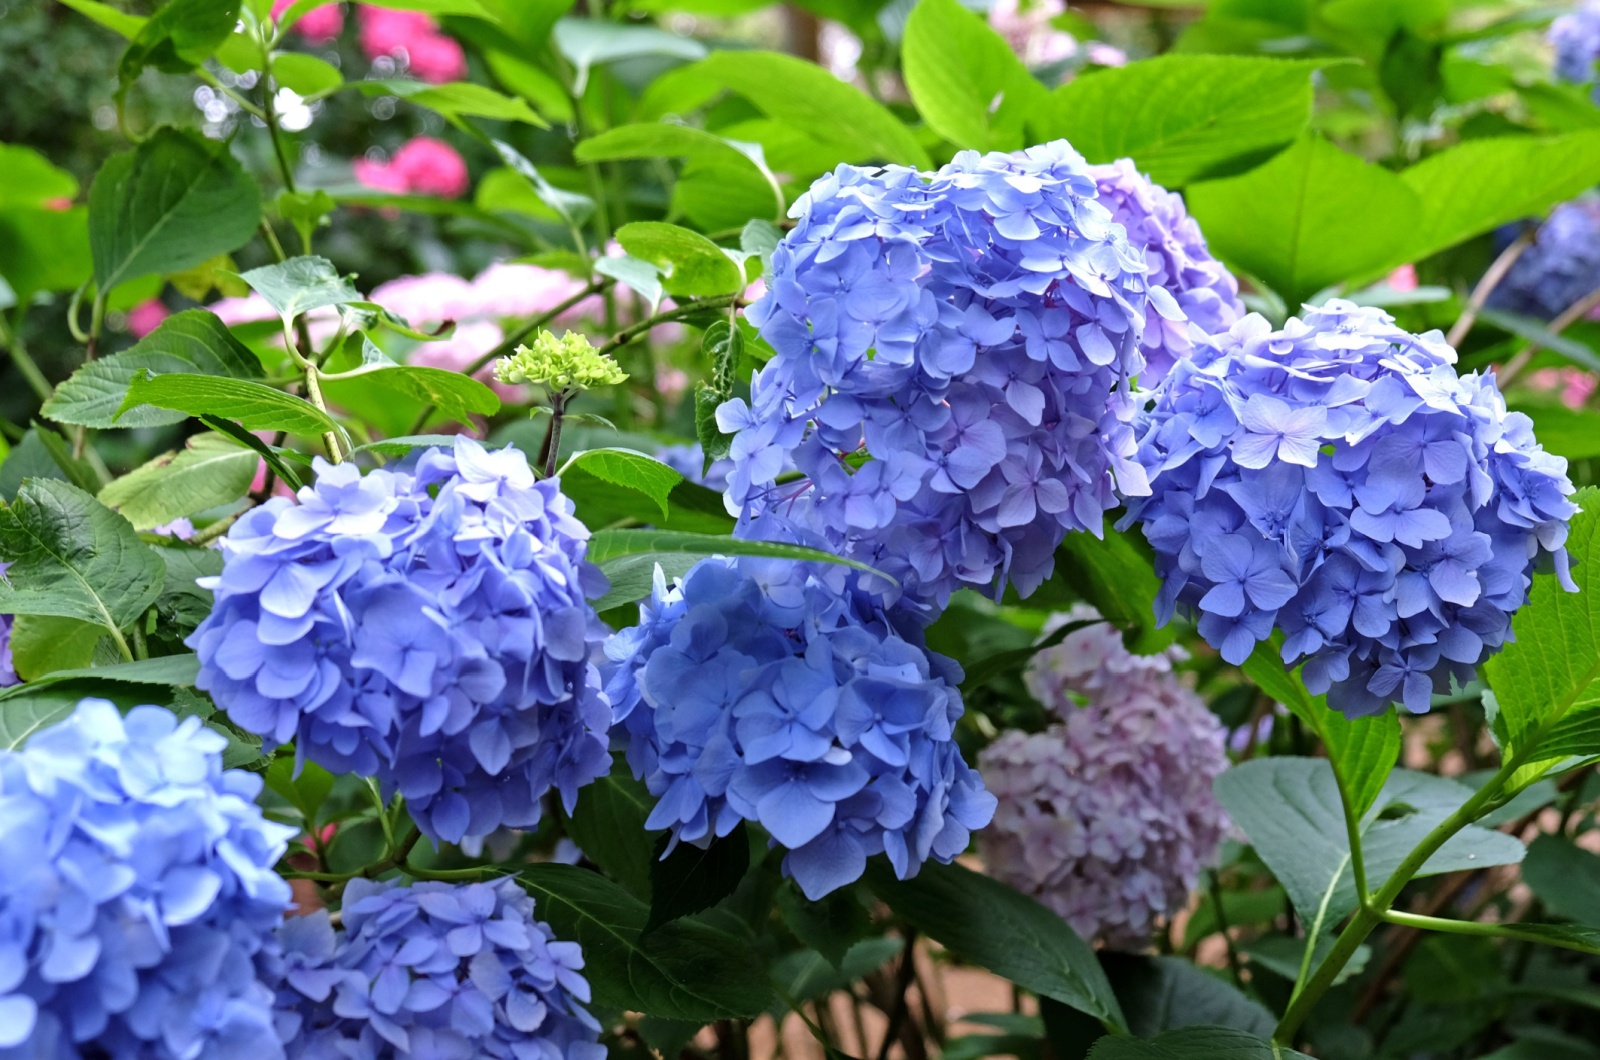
x: 412, y: 39
x: 1107, y: 817
x: 1573, y: 386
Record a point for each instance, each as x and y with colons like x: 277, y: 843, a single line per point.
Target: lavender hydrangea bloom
x: 972, y: 333
x: 1559, y: 267
x: 1338, y: 480
x: 429, y: 627
x: 1576, y: 39
x: 137, y: 894
x: 1177, y: 260
x: 1107, y: 817
x: 432, y: 970
x: 778, y: 692
x: 8, y: 670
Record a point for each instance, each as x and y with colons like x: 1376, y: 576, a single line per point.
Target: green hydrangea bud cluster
x: 567, y: 363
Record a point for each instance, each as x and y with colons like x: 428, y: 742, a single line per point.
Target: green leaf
x: 306, y: 76
x: 1535, y: 331
x: 1552, y: 668
x: 1006, y: 932
x: 808, y: 975
x: 73, y: 557
x: 632, y: 577
x: 458, y: 397
x: 713, y: 442
x: 73, y: 469
x: 588, y: 43
x: 210, y: 471
x: 43, y: 250
x: 300, y: 285
x: 571, y: 207
x: 1167, y: 994
x: 30, y: 458
x: 1183, y: 118
x: 831, y: 925
x: 1476, y: 186
x: 254, y: 406
x: 759, y: 239
x: 181, y: 35
x: 1289, y: 809
x: 277, y: 458
x: 806, y: 96
x: 31, y: 180
x: 44, y: 644
x: 683, y: 970
x: 405, y: 443
x: 1194, y: 1043
x: 1565, y: 877
x: 171, y: 671
x: 122, y: 24
x: 1363, y: 750
x: 608, y: 826
x: 639, y: 276
x: 667, y: 140
x: 305, y: 784
x: 690, y: 880
x: 690, y: 263
x: 21, y: 717
x: 723, y: 345
x: 1285, y: 956
x: 1311, y: 217
x: 171, y: 203
x: 630, y: 470
x: 305, y: 210
x: 1115, y: 573
x: 965, y: 80
x: 456, y: 99
x: 606, y: 545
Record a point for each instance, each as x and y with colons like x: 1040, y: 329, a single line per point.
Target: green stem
x: 1474, y: 927
x: 1222, y: 928
x: 12, y: 339
x: 687, y: 309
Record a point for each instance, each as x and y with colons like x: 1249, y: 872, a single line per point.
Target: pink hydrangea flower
x: 431, y: 298
x: 422, y: 166
x: 412, y: 38
x: 1574, y: 384
x: 319, y: 25
x: 1107, y: 817
x: 146, y: 317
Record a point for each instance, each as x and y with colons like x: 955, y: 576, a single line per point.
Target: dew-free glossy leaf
x: 690, y: 263
x: 254, y: 406
x: 208, y: 472
x: 964, y: 78
x: 456, y: 396
x: 630, y: 470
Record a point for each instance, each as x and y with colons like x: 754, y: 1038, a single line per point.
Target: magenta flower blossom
x: 422, y: 166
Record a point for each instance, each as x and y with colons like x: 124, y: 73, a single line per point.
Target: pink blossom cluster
x: 1574, y: 386
x: 1107, y: 817
x: 320, y: 25
x: 422, y: 166
x: 409, y: 38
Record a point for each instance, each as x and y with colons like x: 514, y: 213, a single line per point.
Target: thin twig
x: 1490, y: 280
x: 1570, y: 315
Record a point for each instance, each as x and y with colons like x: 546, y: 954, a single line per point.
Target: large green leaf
x: 1311, y: 217
x: 31, y: 180
x: 608, y: 826
x: 191, y: 341
x: 683, y: 970
x: 456, y: 99
x: 1007, y: 932
x: 806, y: 96
x: 1552, y: 669
x: 967, y: 83
x: 43, y: 249
x: 1116, y: 574
x: 300, y: 285
x: 1183, y: 118
x: 1481, y: 184
x: 170, y: 671
x: 589, y: 42
x: 73, y: 557
x: 171, y: 203
x: 607, y: 545
x: 1289, y: 809
x: 456, y: 396
x: 691, y: 880
x: 210, y: 471
x: 181, y: 35
x: 1363, y: 750
x: 118, y: 22
x: 46, y: 644
x: 690, y: 263
x: 1166, y: 994
x: 631, y: 471
x: 744, y: 163
x: 1565, y: 877
x: 254, y: 406
x: 1195, y: 1043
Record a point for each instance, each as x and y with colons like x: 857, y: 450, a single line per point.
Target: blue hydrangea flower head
x: 429, y: 627
x: 138, y: 893
x: 1176, y: 259
x: 779, y: 692
x: 955, y: 352
x: 1107, y: 817
x: 1340, y: 481
x: 432, y: 970
x: 1559, y: 267
x: 1576, y: 39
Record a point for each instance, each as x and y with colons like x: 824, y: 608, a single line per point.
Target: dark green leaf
x: 807, y: 974
x: 191, y: 341
x: 29, y: 458
x: 181, y: 35
x: 1565, y: 877
x: 1166, y: 994
x: 1184, y: 117
x: 1534, y: 331
x: 690, y: 880
x: 1285, y: 956
x: 831, y: 925
x: 306, y: 787
x: 73, y: 557
x: 682, y: 971
x: 1006, y: 932
x: 1115, y: 573
x: 713, y: 442
x: 723, y: 345
x: 254, y: 406
x: 608, y: 826
x: 1311, y: 217
x: 967, y: 83
x: 277, y: 458
x: 631, y: 471
x: 171, y: 203
x: 210, y: 471
x: 1195, y: 1043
